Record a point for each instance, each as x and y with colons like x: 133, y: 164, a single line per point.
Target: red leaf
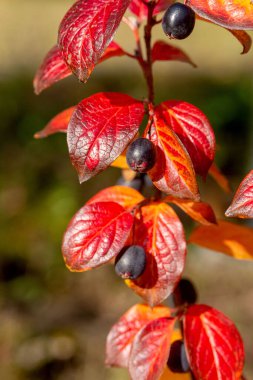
x: 173, y: 172
x: 52, y: 69
x: 100, y: 129
x: 213, y: 344
x: 193, y: 129
x: 232, y: 14
x: 150, y: 350
x: 120, y: 338
x: 95, y: 235
x: 244, y: 38
x: 124, y: 196
x: 86, y: 31
x: 58, y: 124
x: 219, y: 178
x: 162, y: 51
x: 160, y: 232
x: 113, y: 50
x: 200, y: 211
x: 140, y: 9
x: 242, y: 205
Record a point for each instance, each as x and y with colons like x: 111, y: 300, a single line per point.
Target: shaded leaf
x: 160, y: 232
x: 86, y: 31
x: 150, y: 350
x: 123, y: 195
x: 231, y: 14
x: 162, y: 51
x: 120, y: 338
x: 219, y: 178
x: 214, y: 346
x: 52, y: 69
x: 113, y: 50
x: 58, y: 124
x: 95, y: 235
x: 228, y: 238
x: 140, y: 9
x: 244, y: 38
x: 100, y: 129
x: 173, y: 172
x: 193, y: 129
x: 242, y: 204
x: 200, y: 211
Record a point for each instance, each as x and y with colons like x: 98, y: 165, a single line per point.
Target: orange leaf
x: 232, y: 14
x: 200, y: 211
x: 228, y: 238
x: 173, y: 172
x: 120, y: 338
x: 219, y: 178
x: 242, y: 205
x: 120, y: 162
x: 244, y: 38
x: 160, y: 232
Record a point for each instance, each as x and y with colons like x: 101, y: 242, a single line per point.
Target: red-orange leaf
x: 140, y: 9
x: 160, y: 232
x: 173, y: 172
x: 95, y: 235
x: 242, y: 205
x: 162, y: 51
x: 232, y: 14
x: 100, y: 129
x: 228, y: 238
x: 200, y: 211
x: 120, y: 338
x: 219, y: 178
x: 113, y: 50
x: 193, y: 129
x: 52, y: 69
x: 123, y: 195
x: 86, y: 31
x: 214, y: 346
x: 150, y: 350
x: 58, y: 124
x: 244, y: 38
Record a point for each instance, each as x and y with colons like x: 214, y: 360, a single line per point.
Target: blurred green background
x: 53, y: 322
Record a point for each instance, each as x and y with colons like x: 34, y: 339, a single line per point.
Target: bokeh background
x: 53, y: 323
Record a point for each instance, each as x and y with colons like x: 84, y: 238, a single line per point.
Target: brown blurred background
x: 53, y: 323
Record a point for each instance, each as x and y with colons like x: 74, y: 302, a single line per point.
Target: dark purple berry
x: 178, y: 21
x: 141, y: 155
x: 185, y: 292
x: 178, y: 362
x: 131, y: 262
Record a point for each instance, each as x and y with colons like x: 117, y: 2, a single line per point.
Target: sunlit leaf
x: 113, y: 50
x: 228, y: 238
x: 121, y: 336
x: 160, y: 232
x: 95, y: 235
x: 139, y: 9
x: 193, y: 129
x: 242, y: 204
x: 86, y: 31
x: 150, y: 350
x: 123, y: 195
x: 173, y: 172
x: 214, y: 346
x: 58, y: 124
x: 219, y: 178
x: 162, y: 51
x: 100, y: 129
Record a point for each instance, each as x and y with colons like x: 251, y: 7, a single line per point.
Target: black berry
x: 178, y: 21
x: 131, y: 262
x: 185, y: 292
x: 178, y: 361
x: 141, y: 155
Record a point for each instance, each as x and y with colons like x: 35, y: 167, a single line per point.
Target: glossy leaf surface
x: 100, y: 129
x: 86, y: 31
x: 242, y: 204
x: 160, y: 232
x: 232, y: 14
x: 150, y: 350
x: 120, y: 338
x: 58, y: 124
x: 214, y: 346
x: 193, y: 129
x: 173, y: 172
x: 95, y: 235
x: 162, y: 51
x: 123, y: 195
x: 52, y: 69
x: 200, y: 211
x: 140, y: 9
x: 228, y: 238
